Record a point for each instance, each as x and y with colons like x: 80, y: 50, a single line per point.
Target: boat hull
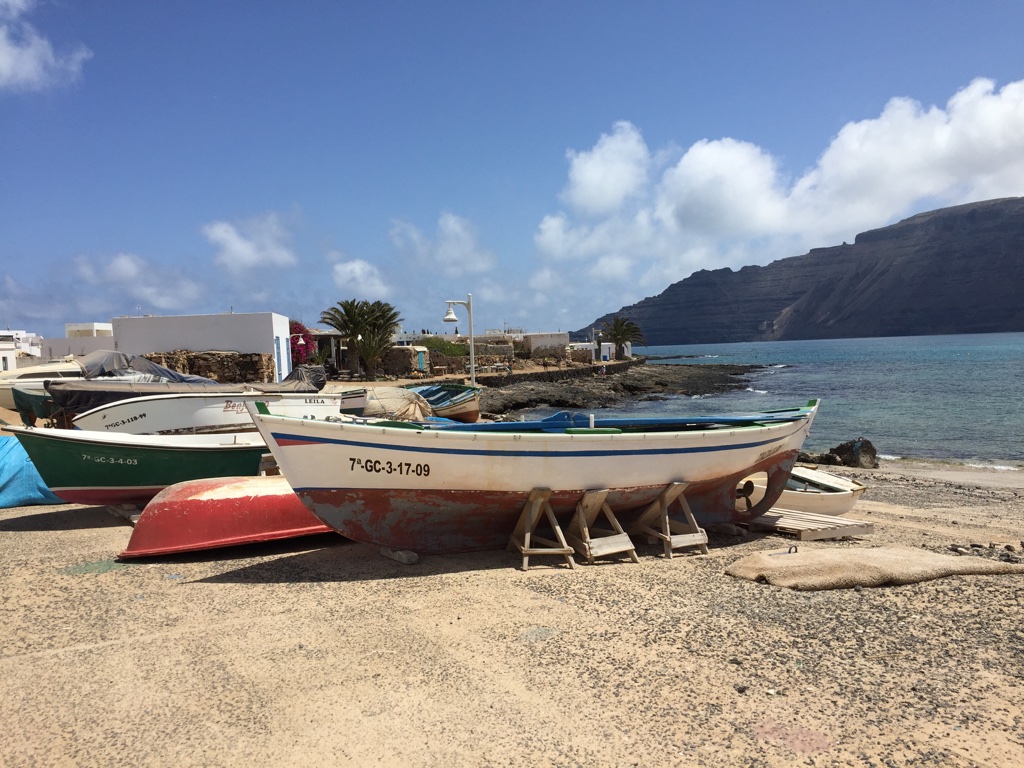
x: 467, y: 411
x: 82, y: 468
x: 458, y: 402
x: 439, y: 522
x: 32, y: 376
x: 220, y: 512
x: 814, y: 491
x: 437, y: 492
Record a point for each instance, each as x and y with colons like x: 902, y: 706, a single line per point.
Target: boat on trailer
x: 440, y: 488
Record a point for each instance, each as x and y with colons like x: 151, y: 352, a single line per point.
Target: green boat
x: 104, y: 468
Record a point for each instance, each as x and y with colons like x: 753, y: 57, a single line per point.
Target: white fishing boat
x: 185, y: 412
x: 32, y: 378
x: 460, y: 487
x: 809, y: 490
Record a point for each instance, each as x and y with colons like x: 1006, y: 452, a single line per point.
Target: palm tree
x: 620, y: 331
x: 366, y: 326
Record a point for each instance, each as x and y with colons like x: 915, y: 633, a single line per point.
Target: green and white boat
x: 107, y: 468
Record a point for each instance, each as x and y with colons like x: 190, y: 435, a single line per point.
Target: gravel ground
x: 319, y: 651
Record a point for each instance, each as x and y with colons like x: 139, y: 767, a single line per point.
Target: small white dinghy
x: 808, y: 490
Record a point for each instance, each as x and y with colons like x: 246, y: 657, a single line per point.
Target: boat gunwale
x: 198, y: 441
x: 277, y: 423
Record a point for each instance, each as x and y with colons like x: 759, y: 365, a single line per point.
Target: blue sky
x: 558, y: 160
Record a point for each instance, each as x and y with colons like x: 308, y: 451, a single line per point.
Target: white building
x: 532, y: 342
x: 247, y: 333
x: 251, y: 332
x: 79, y: 339
x: 8, y: 354
x: 19, y: 344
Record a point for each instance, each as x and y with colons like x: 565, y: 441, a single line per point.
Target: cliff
x: 953, y: 270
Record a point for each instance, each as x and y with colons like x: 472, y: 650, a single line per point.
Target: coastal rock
x: 859, y: 453
x: 596, y: 391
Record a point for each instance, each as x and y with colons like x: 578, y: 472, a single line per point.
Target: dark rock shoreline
x: 643, y: 382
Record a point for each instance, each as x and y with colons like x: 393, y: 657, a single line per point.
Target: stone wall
x: 557, y: 374
x: 399, y: 361
x: 225, y: 367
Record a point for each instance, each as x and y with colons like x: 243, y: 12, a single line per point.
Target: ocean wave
x: 953, y: 463
x: 757, y: 391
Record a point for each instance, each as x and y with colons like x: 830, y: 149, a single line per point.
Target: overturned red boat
x: 220, y: 512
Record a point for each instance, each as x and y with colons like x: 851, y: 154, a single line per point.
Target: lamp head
x: 301, y: 342
x: 450, y: 316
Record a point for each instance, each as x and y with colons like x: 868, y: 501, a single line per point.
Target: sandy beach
x: 320, y: 651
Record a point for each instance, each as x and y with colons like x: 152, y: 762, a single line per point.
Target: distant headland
x: 952, y: 270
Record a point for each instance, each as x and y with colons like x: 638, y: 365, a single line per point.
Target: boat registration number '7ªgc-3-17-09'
x: 390, y: 467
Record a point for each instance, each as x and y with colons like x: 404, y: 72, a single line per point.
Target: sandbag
x: 814, y: 569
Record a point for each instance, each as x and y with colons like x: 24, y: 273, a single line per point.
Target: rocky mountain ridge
x: 952, y: 270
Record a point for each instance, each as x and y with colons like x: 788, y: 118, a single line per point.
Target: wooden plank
x: 688, y: 540
x: 809, y: 526
x: 610, y: 545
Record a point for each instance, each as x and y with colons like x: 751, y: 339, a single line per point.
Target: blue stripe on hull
x: 289, y: 440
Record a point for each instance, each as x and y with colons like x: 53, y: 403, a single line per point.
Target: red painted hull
x: 441, y: 522
x: 220, y: 512
x: 102, y: 497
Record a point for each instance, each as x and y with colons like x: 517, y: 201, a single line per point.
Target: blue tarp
x: 20, y: 483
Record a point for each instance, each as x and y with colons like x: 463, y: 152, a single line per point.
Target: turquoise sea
x: 957, y: 398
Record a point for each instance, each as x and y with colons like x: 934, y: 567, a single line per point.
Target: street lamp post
x: 451, y: 318
x: 301, y: 342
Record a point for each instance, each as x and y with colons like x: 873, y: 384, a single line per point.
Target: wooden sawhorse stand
x: 523, y: 537
x: 581, y: 531
x: 672, y: 533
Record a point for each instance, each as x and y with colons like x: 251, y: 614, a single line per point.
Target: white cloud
x: 142, y: 282
x: 252, y: 244
x: 722, y: 186
x: 454, y: 251
x: 603, y: 178
x: 360, y: 279
x: 545, y: 279
x: 641, y: 221
x: 28, y: 61
x: 878, y: 169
